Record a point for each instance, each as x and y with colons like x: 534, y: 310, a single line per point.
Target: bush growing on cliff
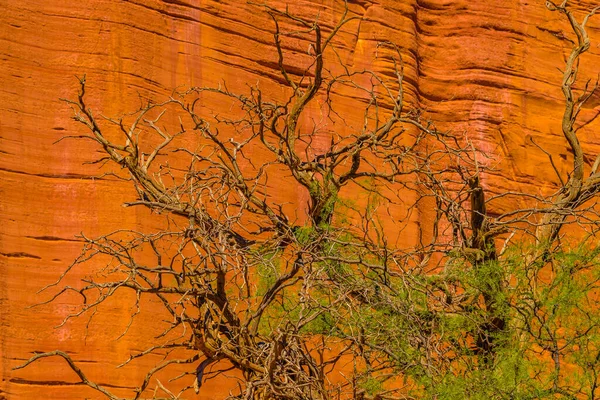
x: 288, y: 298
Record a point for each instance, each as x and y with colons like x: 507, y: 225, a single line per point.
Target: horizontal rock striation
x: 486, y: 69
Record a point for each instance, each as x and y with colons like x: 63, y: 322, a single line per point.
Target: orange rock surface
x: 488, y: 69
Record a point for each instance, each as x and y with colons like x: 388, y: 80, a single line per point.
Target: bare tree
x: 285, y: 298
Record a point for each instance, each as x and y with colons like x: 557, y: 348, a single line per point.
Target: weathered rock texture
x: 486, y: 68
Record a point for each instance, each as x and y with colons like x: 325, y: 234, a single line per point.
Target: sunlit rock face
x: 489, y: 70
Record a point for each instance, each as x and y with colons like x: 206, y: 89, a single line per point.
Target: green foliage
x: 429, y: 325
x: 372, y: 386
x: 268, y: 270
x: 323, y: 324
x: 305, y: 235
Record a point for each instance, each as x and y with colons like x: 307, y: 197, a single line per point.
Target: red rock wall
x: 486, y: 68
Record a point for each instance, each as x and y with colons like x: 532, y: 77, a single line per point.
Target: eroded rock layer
x: 488, y: 69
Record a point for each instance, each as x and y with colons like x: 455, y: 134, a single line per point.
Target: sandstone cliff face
x: 487, y: 69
